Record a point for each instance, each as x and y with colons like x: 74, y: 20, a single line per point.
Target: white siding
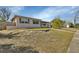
x: 26, y: 25
x: 11, y: 27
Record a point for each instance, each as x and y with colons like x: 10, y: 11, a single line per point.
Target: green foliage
x: 57, y: 23
x: 2, y: 20
x: 71, y: 25
x: 76, y: 25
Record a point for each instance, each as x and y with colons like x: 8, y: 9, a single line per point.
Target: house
x: 68, y: 25
x: 26, y: 22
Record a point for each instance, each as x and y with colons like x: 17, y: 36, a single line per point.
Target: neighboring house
x: 28, y: 22
x: 68, y: 25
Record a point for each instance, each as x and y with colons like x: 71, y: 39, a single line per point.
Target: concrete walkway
x: 74, y: 45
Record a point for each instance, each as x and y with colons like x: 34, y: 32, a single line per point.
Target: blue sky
x: 46, y: 13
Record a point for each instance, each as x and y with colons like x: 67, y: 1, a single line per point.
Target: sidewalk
x: 74, y: 45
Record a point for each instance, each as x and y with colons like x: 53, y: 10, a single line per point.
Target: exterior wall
x: 25, y: 25
x: 11, y: 27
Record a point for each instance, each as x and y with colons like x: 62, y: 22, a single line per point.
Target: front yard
x: 41, y: 41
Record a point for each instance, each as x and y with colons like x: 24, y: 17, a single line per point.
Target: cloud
x: 54, y: 11
x: 16, y: 9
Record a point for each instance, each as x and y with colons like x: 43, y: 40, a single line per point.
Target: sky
x: 46, y: 13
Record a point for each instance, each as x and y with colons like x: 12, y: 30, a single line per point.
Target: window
x: 35, y: 22
x: 27, y: 21
x: 44, y: 24
x: 24, y: 20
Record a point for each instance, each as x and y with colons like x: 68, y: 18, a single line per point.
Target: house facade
x: 27, y: 22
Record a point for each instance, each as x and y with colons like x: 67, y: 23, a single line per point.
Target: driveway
x: 74, y: 45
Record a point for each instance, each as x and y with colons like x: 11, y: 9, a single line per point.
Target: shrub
x: 71, y: 25
x: 76, y: 25
x: 57, y: 23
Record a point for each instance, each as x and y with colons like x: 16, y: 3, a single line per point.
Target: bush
x: 76, y: 25
x: 57, y: 23
x: 71, y: 25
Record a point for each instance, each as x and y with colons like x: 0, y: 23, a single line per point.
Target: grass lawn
x: 70, y: 29
x: 51, y: 41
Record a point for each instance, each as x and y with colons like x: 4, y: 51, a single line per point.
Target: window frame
x: 25, y: 22
x: 35, y: 21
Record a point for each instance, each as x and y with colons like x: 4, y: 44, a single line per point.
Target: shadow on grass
x: 10, y: 48
x: 27, y: 49
x: 5, y: 36
x: 9, y: 36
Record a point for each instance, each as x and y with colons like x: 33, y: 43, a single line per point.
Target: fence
x: 2, y: 26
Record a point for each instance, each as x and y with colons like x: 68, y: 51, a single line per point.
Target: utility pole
x: 75, y: 20
x: 76, y: 17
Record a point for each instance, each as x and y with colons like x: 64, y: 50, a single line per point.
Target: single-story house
x: 68, y: 25
x: 26, y: 22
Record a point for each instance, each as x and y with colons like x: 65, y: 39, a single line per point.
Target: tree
x: 5, y: 14
x: 57, y: 23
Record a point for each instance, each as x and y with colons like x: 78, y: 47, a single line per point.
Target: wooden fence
x: 2, y: 26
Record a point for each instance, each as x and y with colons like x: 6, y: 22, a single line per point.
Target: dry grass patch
x: 70, y: 29
x: 51, y: 41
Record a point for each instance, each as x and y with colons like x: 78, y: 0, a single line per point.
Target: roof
x: 24, y: 17
x: 44, y: 22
